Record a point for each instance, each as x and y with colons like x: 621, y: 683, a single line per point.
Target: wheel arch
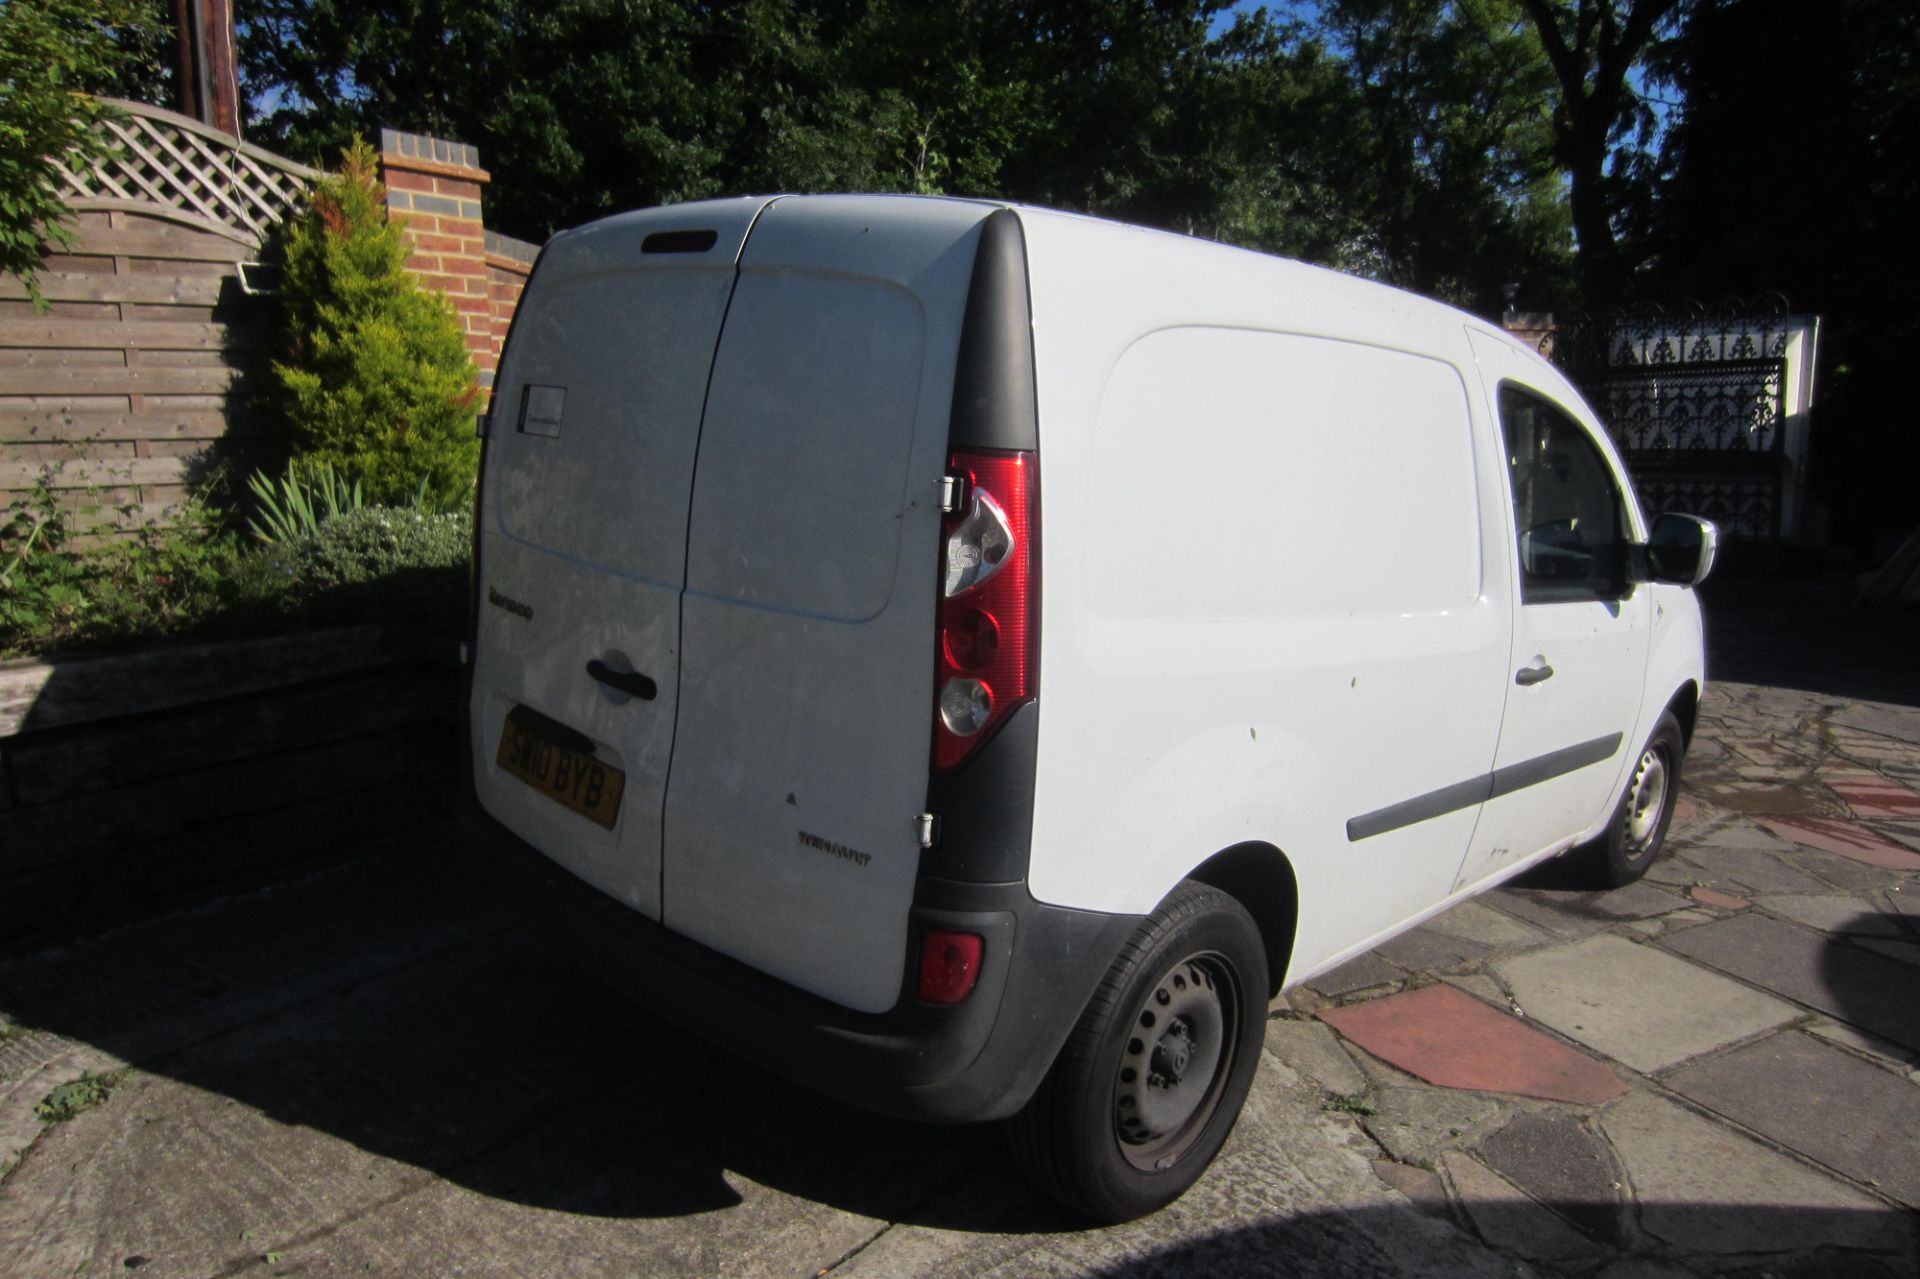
x: 1260, y: 878
x: 1685, y: 707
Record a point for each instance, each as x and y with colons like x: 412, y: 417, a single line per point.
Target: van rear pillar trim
x: 1478, y: 790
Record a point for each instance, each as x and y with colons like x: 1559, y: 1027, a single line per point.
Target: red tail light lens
x: 987, y: 604
x: 949, y: 966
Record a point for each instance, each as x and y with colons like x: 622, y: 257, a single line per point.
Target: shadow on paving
x: 403, y: 1008
x: 1804, y: 634
x: 1324, y: 1244
x: 397, y: 1005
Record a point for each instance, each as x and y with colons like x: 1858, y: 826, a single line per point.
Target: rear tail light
x: 987, y: 605
x: 949, y: 966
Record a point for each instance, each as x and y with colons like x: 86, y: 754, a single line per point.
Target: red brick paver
x: 1871, y: 795
x: 1452, y: 1039
x: 1844, y: 838
x: 1714, y: 897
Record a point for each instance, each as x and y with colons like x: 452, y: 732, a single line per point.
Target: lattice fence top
x: 197, y: 174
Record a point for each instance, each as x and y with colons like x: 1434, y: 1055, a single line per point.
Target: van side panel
x: 800, y: 761
x: 1271, y: 598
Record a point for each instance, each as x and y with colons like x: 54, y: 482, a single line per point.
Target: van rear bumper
x: 975, y: 1061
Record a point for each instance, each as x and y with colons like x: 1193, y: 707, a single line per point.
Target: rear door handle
x: 632, y: 683
x: 1528, y: 675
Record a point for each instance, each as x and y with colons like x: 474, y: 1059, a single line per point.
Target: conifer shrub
x: 376, y: 381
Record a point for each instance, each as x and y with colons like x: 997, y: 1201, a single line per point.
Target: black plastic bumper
x: 978, y: 1060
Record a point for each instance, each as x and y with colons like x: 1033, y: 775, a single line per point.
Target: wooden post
x: 209, y: 77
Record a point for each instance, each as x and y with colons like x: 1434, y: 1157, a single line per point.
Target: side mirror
x: 1681, y: 549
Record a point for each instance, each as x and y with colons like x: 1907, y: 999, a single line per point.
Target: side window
x: 1566, y: 505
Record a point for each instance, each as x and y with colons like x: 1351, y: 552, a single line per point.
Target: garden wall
x: 132, y: 782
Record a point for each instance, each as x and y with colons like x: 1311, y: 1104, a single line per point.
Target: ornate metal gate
x: 1697, y: 402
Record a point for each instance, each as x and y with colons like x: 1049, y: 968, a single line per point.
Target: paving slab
x: 1508, y: 1219
x: 1411, y: 1122
x: 1753, y: 871
x: 1362, y: 973
x: 1842, y: 873
x: 1428, y: 948
x: 1718, y: 900
x: 1294, y: 1192
x: 1480, y: 986
x: 1832, y: 913
x: 1901, y: 723
x: 1703, y: 1188
x: 1871, y: 795
x: 1449, y: 1038
x: 1579, y: 913
x: 1422, y: 1188
x: 1906, y: 952
x: 1870, y: 991
x: 1635, y: 1003
x: 1476, y: 921
x: 1894, y: 1056
x: 1847, y: 839
x: 1313, y: 1050
x: 1738, y: 835
x: 1827, y: 1104
x: 1555, y: 1156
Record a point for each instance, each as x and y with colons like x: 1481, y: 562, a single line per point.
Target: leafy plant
x: 52, y: 52
x: 68, y: 577
x: 296, y: 504
x: 376, y: 379
x: 76, y: 1097
x: 402, y: 567
x: 1351, y: 1104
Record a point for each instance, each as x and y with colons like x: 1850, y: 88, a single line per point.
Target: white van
x: 969, y: 658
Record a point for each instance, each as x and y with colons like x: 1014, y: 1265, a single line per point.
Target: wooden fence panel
x: 138, y: 379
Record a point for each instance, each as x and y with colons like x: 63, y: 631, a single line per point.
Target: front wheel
x: 1152, y: 1078
x: 1632, y: 840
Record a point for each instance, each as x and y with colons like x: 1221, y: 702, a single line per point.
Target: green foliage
x: 296, y: 504
x: 52, y: 53
x: 377, y: 381
x: 1350, y: 1104
x: 67, y: 580
x: 1409, y: 140
x: 405, y: 568
x: 76, y: 1097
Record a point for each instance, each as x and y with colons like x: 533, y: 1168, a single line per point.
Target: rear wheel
x: 1152, y: 1079
x: 1633, y: 839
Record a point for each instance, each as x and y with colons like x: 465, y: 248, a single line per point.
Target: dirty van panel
x: 594, y: 424
x: 801, y: 758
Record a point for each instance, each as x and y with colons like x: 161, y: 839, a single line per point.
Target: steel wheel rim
x: 1174, y: 1064
x: 1648, y: 803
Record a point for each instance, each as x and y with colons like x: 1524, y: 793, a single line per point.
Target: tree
x: 53, y: 54
x: 1595, y: 47
x: 1795, y: 167
x: 376, y: 380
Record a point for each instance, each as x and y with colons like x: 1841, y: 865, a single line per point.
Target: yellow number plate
x: 576, y: 781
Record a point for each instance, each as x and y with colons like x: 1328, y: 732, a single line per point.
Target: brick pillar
x: 433, y: 189
x: 509, y: 263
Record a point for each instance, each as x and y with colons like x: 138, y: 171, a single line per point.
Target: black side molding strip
x: 1553, y: 764
x: 1503, y: 781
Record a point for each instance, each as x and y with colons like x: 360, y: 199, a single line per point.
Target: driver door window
x: 1567, y: 507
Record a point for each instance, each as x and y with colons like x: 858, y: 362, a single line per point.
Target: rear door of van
x: 800, y: 764
x: 594, y: 428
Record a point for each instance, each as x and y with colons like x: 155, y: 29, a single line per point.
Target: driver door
x: 1580, y: 637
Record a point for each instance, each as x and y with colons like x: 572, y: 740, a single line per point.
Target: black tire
x: 1633, y: 839
x: 1126, y: 1121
